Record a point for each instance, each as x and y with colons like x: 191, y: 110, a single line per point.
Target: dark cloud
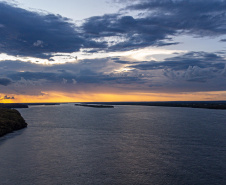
x: 223, y: 40
x: 158, y: 22
x: 201, y: 17
x: 200, y: 59
x: 96, y: 72
x: 134, y: 33
x: 27, y: 33
x: 124, y: 62
x: 67, y: 77
x: 5, y: 81
x: 192, y: 66
x: 8, y: 97
x: 35, y: 76
x: 109, y: 79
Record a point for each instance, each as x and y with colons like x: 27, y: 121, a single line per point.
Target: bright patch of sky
x: 191, y: 43
x: 144, y: 54
x: 74, y: 9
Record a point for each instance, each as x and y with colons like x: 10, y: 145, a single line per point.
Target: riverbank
x: 189, y: 104
x: 13, y: 105
x: 10, y: 120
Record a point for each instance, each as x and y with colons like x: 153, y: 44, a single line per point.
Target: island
x: 94, y: 105
x: 10, y: 120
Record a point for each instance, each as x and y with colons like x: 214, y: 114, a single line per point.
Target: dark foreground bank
x: 10, y: 120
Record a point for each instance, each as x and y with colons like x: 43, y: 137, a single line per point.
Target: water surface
x: 69, y: 144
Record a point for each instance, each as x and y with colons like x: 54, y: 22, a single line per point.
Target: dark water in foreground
x: 126, y: 145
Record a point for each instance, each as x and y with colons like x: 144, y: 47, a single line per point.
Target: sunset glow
x: 57, y: 97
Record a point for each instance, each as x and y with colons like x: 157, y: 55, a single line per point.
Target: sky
x: 112, y: 50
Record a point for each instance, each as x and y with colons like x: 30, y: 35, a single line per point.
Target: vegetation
x: 10, y: 120
x: 190, y: 104
x: 94, y: 105
x: 13, y: 105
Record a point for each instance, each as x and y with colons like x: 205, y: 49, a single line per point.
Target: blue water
x: 70, y: 144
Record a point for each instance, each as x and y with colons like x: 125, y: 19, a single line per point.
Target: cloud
x: 74, y: 81
x: 64, y: 81
x: 7, y: 98
x: 34, y: 34
x: 140, y: 24
x: 5, y: 81
x: 192, y: 74
x: 191, y: 67
x: 38, y: 43
x: 30, y: 77
x: 157, y: 22
x: 123, y: 62
x: 182, y: 62
x: 38, y: 34
x: 126, y: 33
x: 188, y: 72
x: 195, y: 73
x: 201, y: 17
x: 27, y: 83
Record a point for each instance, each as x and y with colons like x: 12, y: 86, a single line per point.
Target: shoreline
x: 189, y: 104
x: 10, y: 120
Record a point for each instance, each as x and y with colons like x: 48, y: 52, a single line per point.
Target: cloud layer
x: 36, y: 34
x: 158, y: 22
x: 193, y: 71
x: 144, y: 23
x: 39, y: 34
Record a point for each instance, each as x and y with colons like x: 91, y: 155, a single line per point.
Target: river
x: 67, y: 144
